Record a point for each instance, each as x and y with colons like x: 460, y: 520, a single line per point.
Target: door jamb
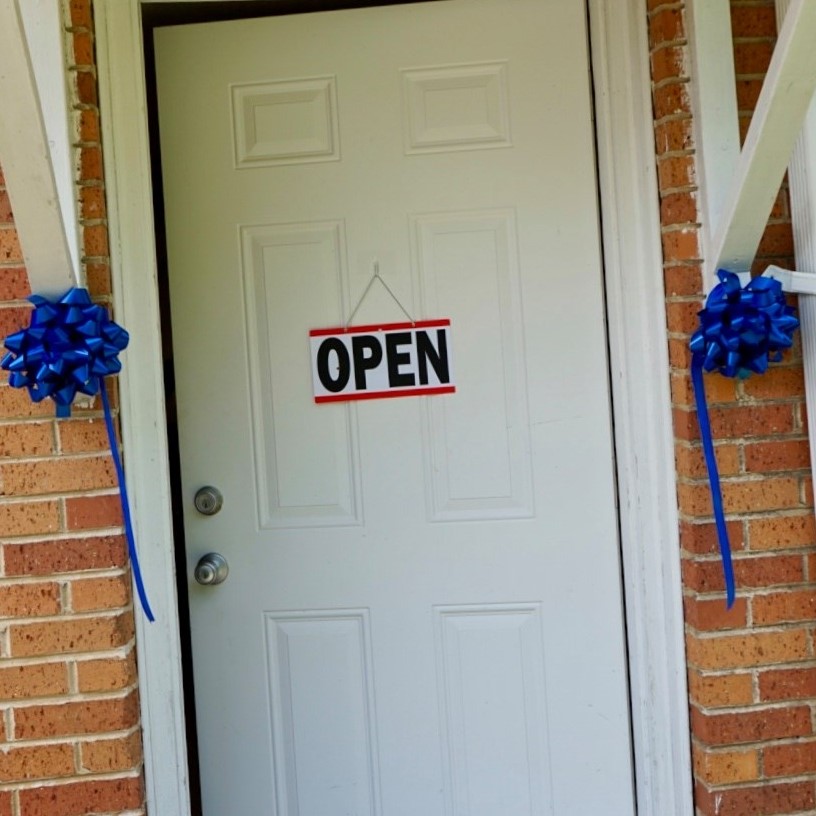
x: 640, y: 395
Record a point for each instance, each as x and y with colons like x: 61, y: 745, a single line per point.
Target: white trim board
x: 26, y: 154
x: 739, y: 187
x: 639, y: 367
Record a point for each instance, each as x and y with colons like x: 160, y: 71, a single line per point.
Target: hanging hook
x: 376, y: 276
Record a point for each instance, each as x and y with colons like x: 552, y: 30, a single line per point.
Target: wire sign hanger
x: 375, y: 276
x: 381, y: 359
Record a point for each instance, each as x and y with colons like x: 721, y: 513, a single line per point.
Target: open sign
x: 374, y: 362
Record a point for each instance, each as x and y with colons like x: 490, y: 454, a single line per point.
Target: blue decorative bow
x: 741, y: 330
x: 69, y: 347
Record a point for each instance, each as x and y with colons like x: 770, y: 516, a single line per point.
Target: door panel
x: 423, y: 613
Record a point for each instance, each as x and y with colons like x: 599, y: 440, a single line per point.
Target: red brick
x: 16, y: 404
x: 747, y: 651
x: 92, y: 203
x: 776, y: 240
x: 26, y: 439
x: 753, y: 21
x: 679, y: 208
x: 13, y: 318
x: 767, y: 457
x: 753, y: 420
x: 681, y: 316
x: 783, y: 607
x: 668, y: 63
x: 81, y: 798
x: 83, y: 48
x: 29, y: 600
x: 86, y: 88
x: 682, y: 245
x: 106, y: 674
x: 65, y: 555
x: 748, y: 91
x: 29, y: 518
x: 10, y: 250
x: 752, y: 57
x: 721, y: 390
x: 679, y: 354
x: 83, y: 436
x: 725, y: 767
x: 95, y: 240
x: 92, y: 594
x: 682, y: 281
x: 57, y: 476
x: 14, y: 283
x: 5, y: 803
x: 674, y: 135
x: 671, y: 99
x: 767, y: 571
x: 789, y: 760
x: 6, y: 216
x: 90, y: 169
x: 675, y: 172
x: 782, y: 532
x: 103, y: 756
x: 709, y: 616
x: 682, y: 393
x: 720, y: 690
x: 781, y: 207
x: 74, y: 719
x: 87, y: 125
x: 741, y: 497
x: 80, y: 11
x: 40, y: 762
x: 778, y: 382
x: 666, y: 26
x: 691, y: 464
x: 99, y: 279
x: 93, y: 512
x: 71, y: 635
x: 787, y: 684
x: 35, y: 680
x: 685, y: 425
x: 701, y: 538
x: 751, y: 726
x: 762, y: 800
x: 703, y: 576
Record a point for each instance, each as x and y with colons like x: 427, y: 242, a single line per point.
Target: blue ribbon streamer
x: 69, y: 347
x: 741, y: 331
x: 123, y: 496
x: 713, y: 478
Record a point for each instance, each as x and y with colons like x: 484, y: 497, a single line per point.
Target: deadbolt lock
x: 208, y: 500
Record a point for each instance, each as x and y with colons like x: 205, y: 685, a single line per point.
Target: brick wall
x: 752, y: 673
x: 69, y: 733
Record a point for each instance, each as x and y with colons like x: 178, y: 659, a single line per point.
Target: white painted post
x: 776, y: 124
x: 26, y: 163
x: 43, y: 24
x: 802, y: 179
x: 716, y: 121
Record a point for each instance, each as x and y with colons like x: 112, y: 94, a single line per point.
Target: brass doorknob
x: 211, y: 569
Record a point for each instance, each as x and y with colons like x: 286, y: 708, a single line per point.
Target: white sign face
x: 374, y: 362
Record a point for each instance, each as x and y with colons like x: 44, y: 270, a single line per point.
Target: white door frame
x: 639, y: 379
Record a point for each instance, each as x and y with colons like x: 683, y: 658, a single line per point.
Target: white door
x: 423, y: 613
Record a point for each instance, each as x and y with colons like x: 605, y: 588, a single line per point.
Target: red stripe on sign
x: 405, y: 392
x: 374, y: 327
